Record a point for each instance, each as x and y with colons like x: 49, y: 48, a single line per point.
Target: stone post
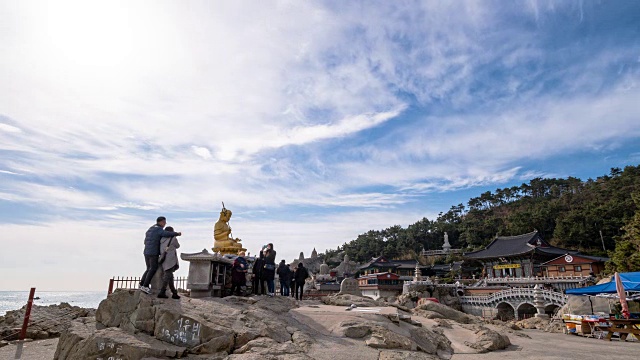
x: 539, y: 302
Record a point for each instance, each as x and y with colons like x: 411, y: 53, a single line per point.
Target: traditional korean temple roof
x: 381, y: 261
x: 505, y: 246
x: 408, y: 264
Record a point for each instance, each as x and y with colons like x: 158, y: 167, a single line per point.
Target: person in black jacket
x: 238, y: 276
x: 292, y: 281
x: 284, y: 275
x: 301, y: 276
x: 258, y: 283
x: 269, y: 272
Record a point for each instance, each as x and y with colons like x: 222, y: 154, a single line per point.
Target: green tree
x: 626, y: 256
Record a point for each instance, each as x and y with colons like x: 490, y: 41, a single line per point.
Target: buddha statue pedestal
x: 228, y: 250
x: 207, y: 273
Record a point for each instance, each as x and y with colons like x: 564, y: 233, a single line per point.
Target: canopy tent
x: 630, y: 282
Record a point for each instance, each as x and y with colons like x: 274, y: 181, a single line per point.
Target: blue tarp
x: 630, y: 282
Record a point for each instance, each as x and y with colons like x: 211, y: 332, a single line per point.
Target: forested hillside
x: 569, y: 213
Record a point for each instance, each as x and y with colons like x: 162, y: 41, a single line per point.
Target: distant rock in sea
x: 45, y: 321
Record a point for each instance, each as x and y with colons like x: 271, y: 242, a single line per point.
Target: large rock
x: 532, y: 323
x: 486, y: 340
x: 405, y: 355
x: 402, y: 336
x: 83, y: 341
x: 45, y: 321
x: 207, y: 327
x: 383, y: 338
x: 348, y: 300
x: 433, y: 310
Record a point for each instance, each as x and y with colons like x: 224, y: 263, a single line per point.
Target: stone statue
x: 324, y: 269
x: 446, y: 246
x: 223, y: 241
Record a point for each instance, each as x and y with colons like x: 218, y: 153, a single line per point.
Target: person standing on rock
x: 301, y: 276
x: 169, y: 263
x: 284, y: 275
x: 258, y: 267
x: 292, y: 281
x: 238, y: 275
x: 269, y: 272
x: 152, y: 251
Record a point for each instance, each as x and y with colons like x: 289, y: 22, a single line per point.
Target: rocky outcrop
x: 402, y: 336
x: 144, y: 326
x: 532, y: 323
x: 434, y: 310
x: 132, y: 325
x: 488, y: 340
x: 348, y: 300
x: 44, y: 322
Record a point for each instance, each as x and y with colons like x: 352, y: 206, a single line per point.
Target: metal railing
x: 440, y: 252
x: 523, y: 293
x: 538, y: 279
x: 131, y: 282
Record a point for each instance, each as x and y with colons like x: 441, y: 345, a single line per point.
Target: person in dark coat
x: 269, y: 272
x: 152, y: 251
x: 238, y: 275
x: 258, y: 282
x: 301, y: 276
x: 285, y: 278
x: 292, y: 282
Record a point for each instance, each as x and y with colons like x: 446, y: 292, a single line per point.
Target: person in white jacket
x: 169, y: 259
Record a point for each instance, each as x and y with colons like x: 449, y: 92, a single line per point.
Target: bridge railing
x: 528, y: 293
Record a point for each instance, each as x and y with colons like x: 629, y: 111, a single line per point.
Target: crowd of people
x: 160, y: 251
x: 263, y: 275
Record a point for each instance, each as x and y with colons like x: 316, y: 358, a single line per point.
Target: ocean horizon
x: 14, y: 300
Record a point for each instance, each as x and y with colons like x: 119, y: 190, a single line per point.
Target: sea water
x: 13, y: 300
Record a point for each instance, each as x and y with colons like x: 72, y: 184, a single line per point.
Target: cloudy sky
x: 312, y: 121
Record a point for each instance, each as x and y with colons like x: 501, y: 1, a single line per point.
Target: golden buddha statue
x: 223, y: 241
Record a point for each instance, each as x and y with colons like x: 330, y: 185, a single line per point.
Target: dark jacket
x: 301, y: 274
x: 152, y: 239
x: 269, y: 261
x: 257, y: 267
x: 238, y: 273
x: 270, y: 257
x: 284, y: 273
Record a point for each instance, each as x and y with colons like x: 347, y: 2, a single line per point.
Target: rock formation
x: 132, y: 325
x: 45, y: 321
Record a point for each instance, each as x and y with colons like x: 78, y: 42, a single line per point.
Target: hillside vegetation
x: 570, y: 213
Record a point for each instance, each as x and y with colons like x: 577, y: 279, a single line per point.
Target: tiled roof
x: 516, y: 245
x: 380, y: 261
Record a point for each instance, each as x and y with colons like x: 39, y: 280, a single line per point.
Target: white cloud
x: 360, y: 107
x: 203, y: 152
x: 9, y: 128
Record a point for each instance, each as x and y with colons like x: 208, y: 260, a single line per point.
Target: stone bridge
x: 513, y: 303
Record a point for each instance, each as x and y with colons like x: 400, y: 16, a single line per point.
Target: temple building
x: 574, y: 265
x: 405, y: 269
x: 516, y: 256
x: 380, y: 285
